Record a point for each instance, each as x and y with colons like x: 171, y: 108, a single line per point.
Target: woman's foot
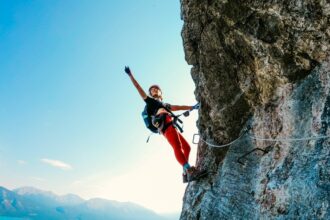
x: 194, y: 174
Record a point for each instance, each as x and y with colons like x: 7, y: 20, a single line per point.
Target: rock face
x: 262, y: 72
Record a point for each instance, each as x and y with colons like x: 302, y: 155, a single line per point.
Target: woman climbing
x: 163, y: 121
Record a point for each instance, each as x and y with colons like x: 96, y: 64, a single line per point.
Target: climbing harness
x: 177, y: 122
x: 176, y: 118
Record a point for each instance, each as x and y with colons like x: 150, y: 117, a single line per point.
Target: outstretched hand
x: 128, y: 71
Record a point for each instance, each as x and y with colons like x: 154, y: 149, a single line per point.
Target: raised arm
x: 135, y: 83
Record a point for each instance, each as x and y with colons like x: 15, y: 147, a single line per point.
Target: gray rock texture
x: 262, y: 72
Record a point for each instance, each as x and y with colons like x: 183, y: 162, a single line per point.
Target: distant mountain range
x: 32, y: 203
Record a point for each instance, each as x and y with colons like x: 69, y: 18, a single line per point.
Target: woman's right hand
x: 128, y: 71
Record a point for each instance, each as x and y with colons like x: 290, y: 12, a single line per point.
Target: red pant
x: 179, y: 144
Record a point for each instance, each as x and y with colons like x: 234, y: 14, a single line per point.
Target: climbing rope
x: 289, y: 139
x: 255, y: 137
x: 223, y: 145
x: 260, y: 139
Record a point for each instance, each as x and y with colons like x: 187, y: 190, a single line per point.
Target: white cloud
x: 57, y: 164
x: 21, y: 162
x: 39, y: 179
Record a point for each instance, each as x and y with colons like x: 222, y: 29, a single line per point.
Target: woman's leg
x: 185, y: 146
x: 173, y: 138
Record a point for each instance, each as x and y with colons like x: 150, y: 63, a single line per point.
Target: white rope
x: 218, y: 146
x: 256, y: 137
x: 289, y: 139
x: 261, y: 139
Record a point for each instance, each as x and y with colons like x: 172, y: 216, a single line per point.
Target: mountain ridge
x: 30, y: 202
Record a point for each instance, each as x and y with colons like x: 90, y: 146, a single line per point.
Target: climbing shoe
x: 194, y: 174
x: 185, y: 178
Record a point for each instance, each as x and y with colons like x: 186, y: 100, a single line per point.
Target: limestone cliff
x: 262, y: 72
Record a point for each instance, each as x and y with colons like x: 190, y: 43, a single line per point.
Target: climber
x: 163, y: 121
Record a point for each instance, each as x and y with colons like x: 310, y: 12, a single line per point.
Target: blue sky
x: 70, y: 117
